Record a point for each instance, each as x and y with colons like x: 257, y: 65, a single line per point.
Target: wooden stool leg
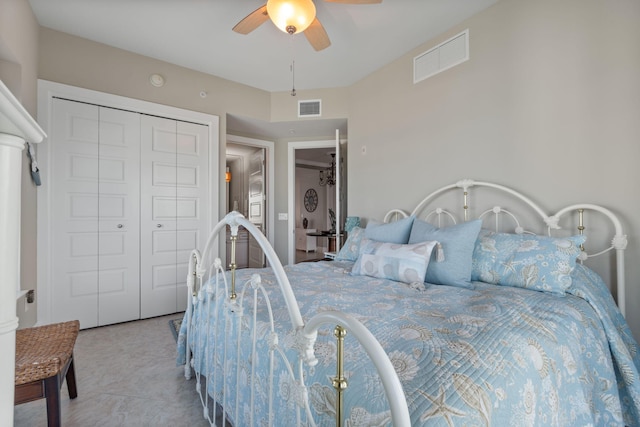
x: 71, y: 380
x: 52, y: 394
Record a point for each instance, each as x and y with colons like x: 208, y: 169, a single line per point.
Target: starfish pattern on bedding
x: 510, y: 266
x: 440, y: 408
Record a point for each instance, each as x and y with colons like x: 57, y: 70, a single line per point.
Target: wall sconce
x: 227, y: 175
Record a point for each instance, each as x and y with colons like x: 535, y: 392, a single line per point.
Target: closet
x: 128, y: 199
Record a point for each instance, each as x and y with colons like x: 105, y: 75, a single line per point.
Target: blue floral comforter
x: 489, y: 356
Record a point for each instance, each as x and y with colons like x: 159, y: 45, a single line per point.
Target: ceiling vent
x: 310, y: 108
x: 442, y: 57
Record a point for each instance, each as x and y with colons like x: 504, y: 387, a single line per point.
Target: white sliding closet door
x: 174, y: 212
x: 94, y: 205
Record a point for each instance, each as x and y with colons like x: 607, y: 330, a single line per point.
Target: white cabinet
x: 129, y: 200
x: 304, y: 242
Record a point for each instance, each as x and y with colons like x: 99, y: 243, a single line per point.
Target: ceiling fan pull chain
x: 293, y: 78
x: 293, y: 69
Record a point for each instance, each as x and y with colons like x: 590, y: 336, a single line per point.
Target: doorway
x: 249, y: 190
x: 314, y: 201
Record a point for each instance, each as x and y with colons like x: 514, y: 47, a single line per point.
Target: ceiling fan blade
x: 317, y: 36
x: 354, y: 1
x: 252, y: 20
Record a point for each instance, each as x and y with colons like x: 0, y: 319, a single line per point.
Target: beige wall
x: 19, y: 46
x: 19, y: 70
x: 79, y: 62
x: 549, y: 103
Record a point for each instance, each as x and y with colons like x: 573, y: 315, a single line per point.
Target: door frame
x: 291, y: 180
x: 269, y: 147
x: 48, y: 90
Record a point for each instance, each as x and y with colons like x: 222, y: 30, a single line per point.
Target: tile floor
x: 126, y: 376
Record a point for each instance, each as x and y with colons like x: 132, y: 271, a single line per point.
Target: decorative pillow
x: 351, y: 248
x: 392, y: 232
x: 525, y: 260
x: 393, y: 261
x: 457, y: 243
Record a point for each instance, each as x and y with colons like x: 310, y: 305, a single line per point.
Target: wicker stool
x: 44, y: 357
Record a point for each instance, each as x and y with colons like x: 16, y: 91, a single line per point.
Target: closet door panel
x: 158, y: 257
x: 192, y: 214
x: 74, y: 210
x: 119, y: 204
x: 175, y: 209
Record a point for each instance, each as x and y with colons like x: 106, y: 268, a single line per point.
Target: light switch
x: 283, y: 216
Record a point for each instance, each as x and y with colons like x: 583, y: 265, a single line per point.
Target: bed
x: 473, y: 309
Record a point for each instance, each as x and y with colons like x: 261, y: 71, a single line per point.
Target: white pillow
x: 393, y: 261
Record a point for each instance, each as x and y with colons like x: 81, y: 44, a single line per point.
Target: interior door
x: 74, y: 211
x: 341, y: 190
x: 158, y: 257
x: 94, y: 199
x: 257, y: 205
x: 192, y: 204
x: 174, y: 211
x: 119, y: 213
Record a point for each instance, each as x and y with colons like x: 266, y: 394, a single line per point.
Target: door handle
x: 119, y: 226
x: 158, y: 225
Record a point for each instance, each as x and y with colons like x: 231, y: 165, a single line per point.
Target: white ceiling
x: 197, y: 34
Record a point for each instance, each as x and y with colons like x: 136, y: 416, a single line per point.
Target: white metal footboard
x: 228, y: 380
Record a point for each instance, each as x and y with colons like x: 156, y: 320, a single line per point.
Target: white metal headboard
x: 430, y: 209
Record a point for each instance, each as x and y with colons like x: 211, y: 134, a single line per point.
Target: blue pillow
x: 392, y: 232
x: 541, y: 263
x: 457, y: 244
x: 393, y: 261
x: 351, y: 248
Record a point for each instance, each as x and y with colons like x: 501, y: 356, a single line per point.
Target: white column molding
x: 16, y: 127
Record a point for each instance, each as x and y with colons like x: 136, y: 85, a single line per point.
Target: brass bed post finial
x: 581, y: 226
x: 233, y: 266
x: 339, y: 382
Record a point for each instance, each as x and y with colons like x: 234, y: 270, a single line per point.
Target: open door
x: 341, y: 190
x: 256, y: 205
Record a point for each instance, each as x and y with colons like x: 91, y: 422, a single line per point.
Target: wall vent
x: 310, y: 108
x: 442, y: 57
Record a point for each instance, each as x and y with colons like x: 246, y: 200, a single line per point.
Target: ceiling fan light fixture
x: 291, y: 16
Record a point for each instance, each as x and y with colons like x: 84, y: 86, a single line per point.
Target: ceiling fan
x: 293, y: 16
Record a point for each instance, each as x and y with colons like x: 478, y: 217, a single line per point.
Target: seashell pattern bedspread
x: 489, y: 356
